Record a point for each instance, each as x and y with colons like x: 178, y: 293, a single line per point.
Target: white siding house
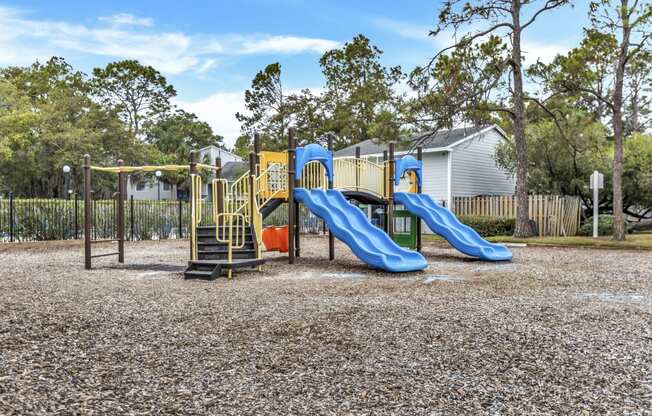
x: 458, y: 162
x: 147, y: 187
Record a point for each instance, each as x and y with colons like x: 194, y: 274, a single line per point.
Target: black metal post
x: 88, y: 212
x: 121, y: 214
x: 76, y: 216
x: 131, y: 215
x: 11, y: 217
x: 180, y: 219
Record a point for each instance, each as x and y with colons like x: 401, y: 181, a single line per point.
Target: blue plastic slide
x: 349, y: 224
x: 443, y: 222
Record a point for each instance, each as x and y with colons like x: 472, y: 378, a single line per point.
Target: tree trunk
x: 523, y: 228
x: 617, y: 176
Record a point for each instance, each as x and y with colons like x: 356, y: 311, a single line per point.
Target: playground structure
x: 306, y: 175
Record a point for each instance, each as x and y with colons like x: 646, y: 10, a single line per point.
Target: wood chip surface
x: 556, y: 331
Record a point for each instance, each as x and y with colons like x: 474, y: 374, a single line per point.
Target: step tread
x: 227, y: 264
x: 225, y: 249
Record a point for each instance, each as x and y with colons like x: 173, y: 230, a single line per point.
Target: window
x: 167, y: 186
x: 140, y: 186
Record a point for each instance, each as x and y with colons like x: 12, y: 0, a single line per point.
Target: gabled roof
x: 233, y: 170
x: 219, y: 150
x: 431, y: 141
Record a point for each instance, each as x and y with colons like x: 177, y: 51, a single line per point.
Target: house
x: 148, y: 186
x: 457, y: 162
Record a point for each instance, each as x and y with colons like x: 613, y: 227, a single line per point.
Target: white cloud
x: 219, y: 110
x: 127, y: 19
x: 170, y: 52
x: 404, y: 29
x: 207, y: 66
x: 287, y: 45
x: 545, y: 52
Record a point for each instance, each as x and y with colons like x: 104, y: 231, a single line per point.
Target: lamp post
x: 66, y: 173
x: 158, y: 183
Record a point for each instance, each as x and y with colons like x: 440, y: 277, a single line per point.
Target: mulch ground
x: 556, y: 331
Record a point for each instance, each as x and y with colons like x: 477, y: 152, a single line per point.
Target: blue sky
x: 210, y: 50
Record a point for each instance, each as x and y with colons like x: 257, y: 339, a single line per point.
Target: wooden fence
x: 555, y: 215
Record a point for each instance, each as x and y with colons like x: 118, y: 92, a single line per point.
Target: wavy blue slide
x: 443, y: 222
x: 349, y: 224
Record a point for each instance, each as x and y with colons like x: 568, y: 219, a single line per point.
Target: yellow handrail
x: 359, y: 175
x: 224, y: 220
x: 271, y: 183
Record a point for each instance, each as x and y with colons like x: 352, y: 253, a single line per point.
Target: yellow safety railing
x: 195, y: 212
x: 237, y: 198
x: 313, y: 176
x: 359, y: 175
x: 272, y: 183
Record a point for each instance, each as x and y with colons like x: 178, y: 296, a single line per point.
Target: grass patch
x: 633, y: 241
x: 639, y: 241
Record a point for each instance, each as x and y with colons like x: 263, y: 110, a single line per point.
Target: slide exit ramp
x: 443, y: 222
x: 350, y: 225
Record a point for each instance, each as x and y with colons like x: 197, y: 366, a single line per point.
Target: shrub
x: 605, y: 225
x: 490, y: 226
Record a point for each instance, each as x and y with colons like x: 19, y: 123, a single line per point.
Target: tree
x: 560, y: 161
x: 48, y: 120
x: 180, y: 132
x: 139, y: 93
x: 243, y: 146
x: 480, y: 76
x: 359, y: 95
x: 267, y: 107
x: 597, y: 71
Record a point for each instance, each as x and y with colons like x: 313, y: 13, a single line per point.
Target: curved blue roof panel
x: 312, y: 152
x: 405, y: 164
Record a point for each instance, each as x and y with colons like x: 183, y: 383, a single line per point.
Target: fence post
x: 11, y: 217
x: 131, y: 217
x: 180, y: 219
x: 75, y: 216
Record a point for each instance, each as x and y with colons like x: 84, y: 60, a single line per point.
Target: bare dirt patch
x: 526, y: 337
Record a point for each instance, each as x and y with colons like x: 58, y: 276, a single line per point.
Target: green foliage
x: 489, y: 226
x: 637, y: 172
x: 359, y: 96
x: 50, y: 117
x: 139, y: 93
x: 605, y: 225
x: 268, y: 112
x: 243, y: 146
x: 359, y: 101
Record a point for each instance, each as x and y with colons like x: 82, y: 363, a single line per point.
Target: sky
x: 211, y: 49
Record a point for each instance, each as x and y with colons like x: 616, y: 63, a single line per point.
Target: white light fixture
x: 66, y: 169
x: 157, y: 173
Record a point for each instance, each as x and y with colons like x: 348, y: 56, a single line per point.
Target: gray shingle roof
x: 233, y: 170
x: 429, y: 140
